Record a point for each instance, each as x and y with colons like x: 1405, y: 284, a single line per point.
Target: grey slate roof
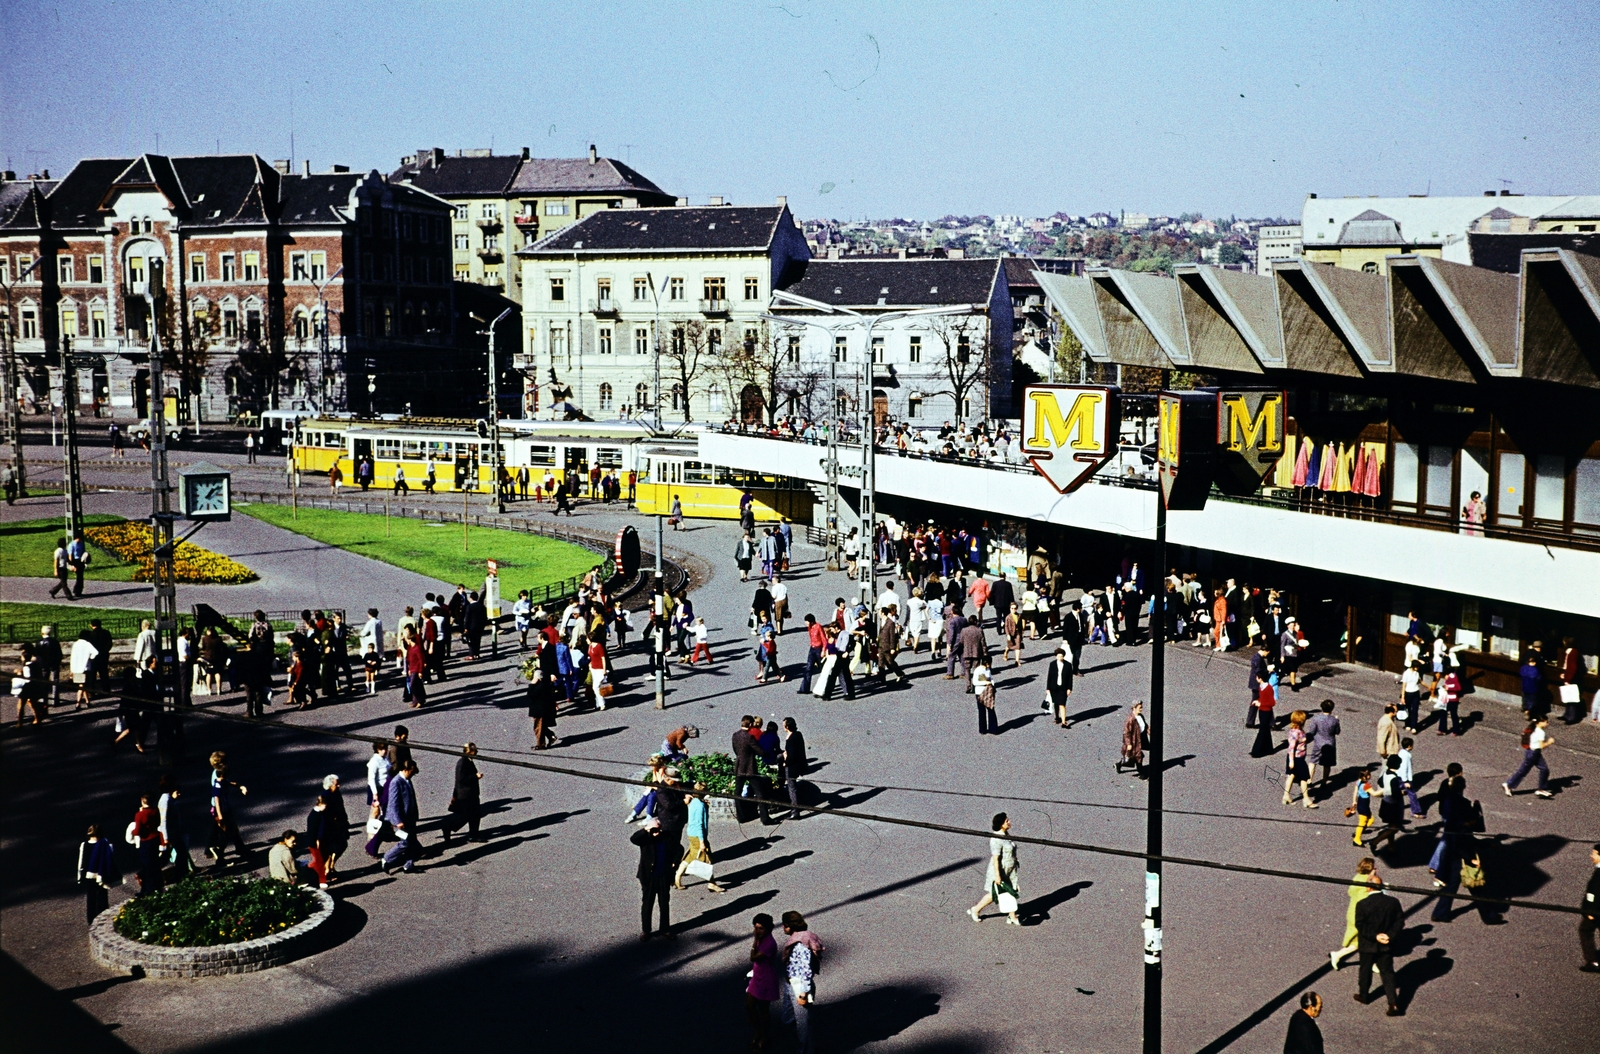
x: 22, y: 204
x: 855, y: 283
x: 1370, y: 228
x: 575, y: 175
x: 457, y: 177
x: 75, y: 202
x: 708, y: 227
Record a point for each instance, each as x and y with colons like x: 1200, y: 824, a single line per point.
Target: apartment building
x: 1277, y: 243
x: 607, y: 295
x: 248, y: 266
x: 504, y: 202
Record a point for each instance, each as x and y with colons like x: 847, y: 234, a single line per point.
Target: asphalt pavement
x: 532, y: 936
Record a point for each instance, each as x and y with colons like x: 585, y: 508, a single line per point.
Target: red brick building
x: 244, y: 260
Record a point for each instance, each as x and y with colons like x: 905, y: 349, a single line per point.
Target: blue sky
x: 858, y: 109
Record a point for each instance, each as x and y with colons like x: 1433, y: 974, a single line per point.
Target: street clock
x: 205, y: 493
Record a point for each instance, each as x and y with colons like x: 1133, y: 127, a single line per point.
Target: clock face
x: 208, y: 497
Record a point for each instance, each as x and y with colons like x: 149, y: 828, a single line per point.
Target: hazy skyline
x: 871, y: 109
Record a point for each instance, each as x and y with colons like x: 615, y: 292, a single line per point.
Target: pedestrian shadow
x: 1418, y: 972
x: 491, y: 848
x: 1018, y: 722
x: 1181, y: 760
x: 844, y: 799
x: 1091, y: 713
x: 84, y: 991
x: 533, y: 823
x: 1564, y: 783
x: 877, y: 1015
x: 495, y: 805
x: 1037, y: 910
x: 1511, y: 864
x: 730, y: 909
x: 1107, y: 666
x: 584, y: 737
x: 759, y: 844
x: 765, y: 867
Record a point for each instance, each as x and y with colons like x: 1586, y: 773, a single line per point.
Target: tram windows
x: 577, y: 459
x: 411, y: 449
x: 539, y: 455
x: 608, y: 456
x: 363, y: 448
x: 388, y: 449
x: 437, y: 449
x: 696, y: 472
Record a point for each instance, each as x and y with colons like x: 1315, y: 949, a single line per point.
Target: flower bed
x: 200, y: 912
x: 283, y: 941
x: 716, y: 771
x: 133, y: 542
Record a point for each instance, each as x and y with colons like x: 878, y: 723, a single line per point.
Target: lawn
x: 526, y: 561
x: 26, y: 548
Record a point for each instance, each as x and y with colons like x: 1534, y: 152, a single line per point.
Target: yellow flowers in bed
x: 132, y: 542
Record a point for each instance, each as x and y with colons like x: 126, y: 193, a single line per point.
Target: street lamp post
x: 326, y: 352
x: 72, y: 478
x: 164, y: 572
x: 13, y: 383
x: 869, y: 449
x: 494, y: 415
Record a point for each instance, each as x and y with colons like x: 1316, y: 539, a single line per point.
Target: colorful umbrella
x: 1341, y: 470
x: 1312, y: 454
x: 1325, y: 474
x: 1374, y: 470
x: 1358, y: 481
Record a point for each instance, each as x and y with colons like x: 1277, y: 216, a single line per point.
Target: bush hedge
x: 199, y: 912
x: 716, y: 771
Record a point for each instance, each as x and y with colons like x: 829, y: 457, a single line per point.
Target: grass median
x: 526, y: 561
x: 27, y: 550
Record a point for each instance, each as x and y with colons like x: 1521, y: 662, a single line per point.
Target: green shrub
x: 198, y: 912
x: 716, y: 771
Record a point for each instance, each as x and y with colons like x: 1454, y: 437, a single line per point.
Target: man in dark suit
x: 1074, y: 633
x: 1002, y: 596
x: 746, y: 781
x: 1378, y: 927
x: 795, y: 764
x: 474, y: 621
x: 402, y: 816
x: 1058, y: 686
x: 954, y: 624
x: 974, y: 649
x: 1304, y: 1036
x: 1590, y: 917
x: 659, y: 853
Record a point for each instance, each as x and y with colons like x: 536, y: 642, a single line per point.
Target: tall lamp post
x: 326, y: 352
x: 13, y: 383
x: 869, y: 449
x: 494, y: 414
x: 847, y: 318
x: 72, y: 478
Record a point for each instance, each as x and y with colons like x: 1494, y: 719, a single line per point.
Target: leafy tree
x: 1230, y: 253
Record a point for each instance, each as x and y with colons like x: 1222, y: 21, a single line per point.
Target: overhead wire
x: 900, y: 821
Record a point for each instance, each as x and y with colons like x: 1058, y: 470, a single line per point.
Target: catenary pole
x: 1156, y: 720
x: 72, y: 478
x: 658, y: 608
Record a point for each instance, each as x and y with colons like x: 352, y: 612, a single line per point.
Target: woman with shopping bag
x: 1000, y: 881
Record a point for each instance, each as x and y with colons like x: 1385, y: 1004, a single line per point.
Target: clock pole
x: 164, y: 572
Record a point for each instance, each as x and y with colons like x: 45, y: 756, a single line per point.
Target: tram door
x: 576, y: 463
x: 363, y: 448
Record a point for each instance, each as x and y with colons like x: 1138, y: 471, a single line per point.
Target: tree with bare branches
x: 962, y: 350
x: 687, y: 357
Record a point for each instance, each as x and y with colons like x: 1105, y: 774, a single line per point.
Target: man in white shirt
x: 372, y: 632
x: 1533, y: 757
x: 144, y: 650
x: 780, y: 602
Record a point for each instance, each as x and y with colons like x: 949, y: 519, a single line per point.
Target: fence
x: 125, y: 625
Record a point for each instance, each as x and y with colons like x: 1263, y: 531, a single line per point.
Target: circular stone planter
x: 112, y: 949
x: 716, y: 808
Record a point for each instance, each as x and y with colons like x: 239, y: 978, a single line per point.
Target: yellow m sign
x: 1079, y: 426
x: 1069, y: 431
x: 1255, y: 431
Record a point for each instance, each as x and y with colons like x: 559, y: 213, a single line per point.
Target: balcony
x: 526, y: 222
x: 603, y: 307
x: 491, y: 252
x: 492, y: 223
x: 716, y: 308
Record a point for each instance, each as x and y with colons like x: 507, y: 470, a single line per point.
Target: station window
x: 387, y: 448
x: 696, y: 472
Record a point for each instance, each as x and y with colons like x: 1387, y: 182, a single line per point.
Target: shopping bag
x: 820, y: 685
x: 1569, y: 694
x: 1006, y: 902
x: 700, y: 869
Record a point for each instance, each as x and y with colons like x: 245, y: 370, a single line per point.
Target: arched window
x: 605, y: 397
x: 1370, y: 267
x: 641, y: 396
x: 302, y: 327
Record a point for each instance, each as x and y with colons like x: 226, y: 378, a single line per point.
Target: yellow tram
x: 662, y: 466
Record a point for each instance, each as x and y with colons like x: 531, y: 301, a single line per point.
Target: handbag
x: 131, y: 834
x: 1472, y: 876
x: 1005, y: 898
x: 700, y: 869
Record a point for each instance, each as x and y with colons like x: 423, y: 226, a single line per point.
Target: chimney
x: 902, y: 254
x: 1505, y: 193
x: 308, y: 166
x: 524, y: 153
x: 281, y: 165
x: 680, y: 202
x: 339, y: 168
x: 833, y: 252
x: 715, y: 199
x: 783, y: 199
x: 436, y: 156
x: 957, y: 254
x: 1313, y: 196
x: 1488, y: 193
x: 8, y: 174
x: 593, y: 157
